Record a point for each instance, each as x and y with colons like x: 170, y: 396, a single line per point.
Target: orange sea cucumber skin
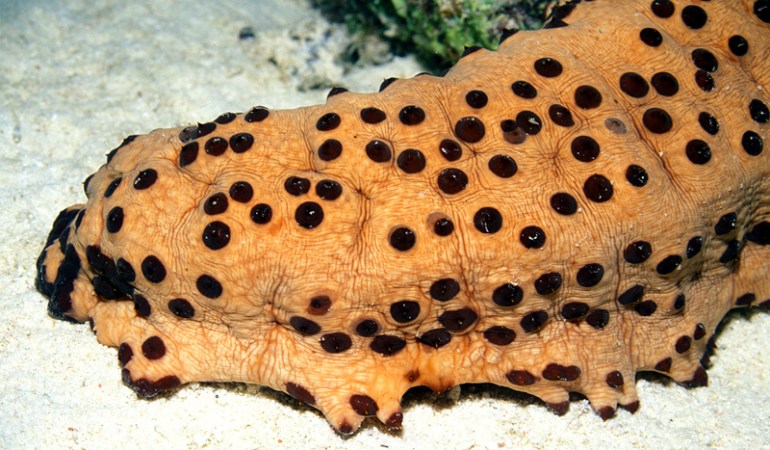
x: 294, y: 294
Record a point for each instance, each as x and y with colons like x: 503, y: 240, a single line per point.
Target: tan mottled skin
x: 269, y: 272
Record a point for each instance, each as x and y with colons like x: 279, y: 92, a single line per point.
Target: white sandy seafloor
x: 76, y: 78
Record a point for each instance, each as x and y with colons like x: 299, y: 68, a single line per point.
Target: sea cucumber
x: 585, y: 203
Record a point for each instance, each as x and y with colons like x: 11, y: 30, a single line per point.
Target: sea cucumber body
x: 606, y: 187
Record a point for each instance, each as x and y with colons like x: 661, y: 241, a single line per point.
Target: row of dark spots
x: 489, y: 220
x: 216, y: 146
x: 153, y: 348
x: 216, y: 235
x: 699, y: 152
x: 507, y: 295
x: 115, y: 278
x: 308, y: 215
x: 584, y: 148
x: 694, y: 17
x: 659, y: 121
x: 470, y: 129
x: 640, y: 251
x: 614, y: 379
x: 704, y: 60
x: 362, y: 404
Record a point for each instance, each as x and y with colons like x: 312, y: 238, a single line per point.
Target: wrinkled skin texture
x: 347, y: 312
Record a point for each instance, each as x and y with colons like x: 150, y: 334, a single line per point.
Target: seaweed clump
x: 437, y: 31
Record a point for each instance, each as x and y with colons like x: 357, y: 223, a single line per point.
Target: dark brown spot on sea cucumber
x: 367, y: 327
x: 682, y: 344
x: 752, y: 143
x: 637, y: 252
x: 548, y: 67
x: 309, y: 215
x: 698, y: 152
x: 529, y: 122
x: 405, y: 311
x: 664, y: 365
x: 651, y: 37
x: 564, y: 203
x: 261, y: 213
x: 335, y: 342
x: 634, y: 85
x: 145, y: 179
x: 614, y: 379
x: 305, y: 327
x: 216, y: 235
x: 153, y: 270
x: 241, y: 142
x: 215, y: 146
x: 435, y: 338
x: 524, y: 90
x: 499, y: 335
x: 411, y: 115
x: 469, y: 129
x: 450, y: 150
x: 300, y: 393
x: 694, y: 17
x: 574, y: 310
x: 590, y: 275
x: 328, y: 190
x: 739, y: 46
x: 363, y: 405
x: 328, y: 122
x: 532, y: 237
x: 507, y: 294
x: 476, y: 99
x: 588, y: 97
x: 125, y: 354
x: 387, y: 345
x: 209, y: 286
x: 141, y: 305
x: 452, y: 181
x: 330, y: 150
x: 503, y: 166
x: 444, y: 289
x: 188, y: 154
x: 114, y: 219
x: 458, y: 320
x: 378, y: 151
x: 561, y: 116
x: 665, y: 84
x: 534, y: 321
x: 256, y: 114
x: 521, y: 377
x: 372, y: 115
x: 646, y: 308
x: 657, y: 121
x: 598, y: 318
x: 488, y: 220
x: 700, y: 332
x: 662, y: 8
x: 181, y: 308
x: 443, y: 227
x: 153, y: 348
x: 319, y: 305
x: 402, y: 239
x: 557, y: 372
x: 241, y: 191
x: 411, y: 161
